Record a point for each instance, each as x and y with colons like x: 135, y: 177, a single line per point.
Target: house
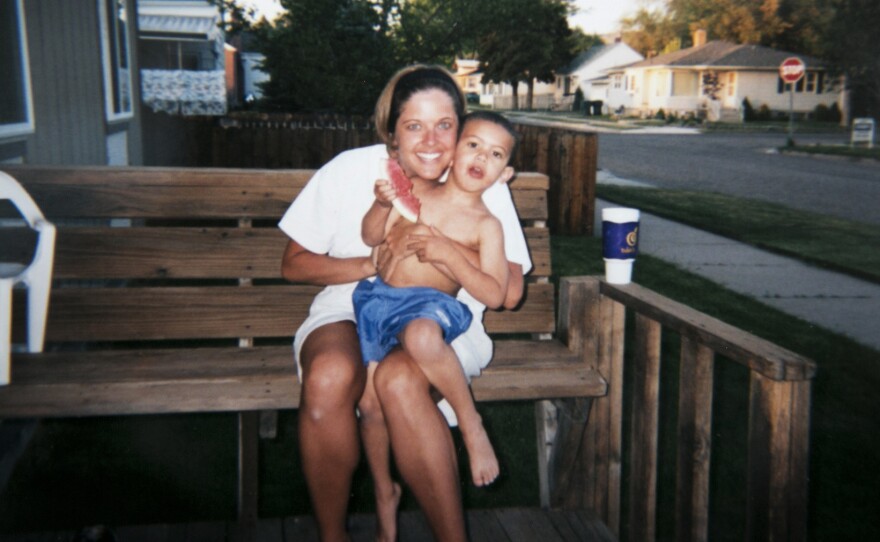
x: 182, y: 57
x: 69, y: 84
x: 681, y: 82
x: 588, y: 71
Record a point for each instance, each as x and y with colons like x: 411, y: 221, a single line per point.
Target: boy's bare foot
x: 386, y: 515
x: 484, y: 464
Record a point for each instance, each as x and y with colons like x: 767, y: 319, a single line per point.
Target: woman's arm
x: 301, y: 265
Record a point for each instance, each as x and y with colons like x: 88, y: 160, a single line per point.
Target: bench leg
x: 248, y: 466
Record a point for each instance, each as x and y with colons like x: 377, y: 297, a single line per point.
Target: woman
x: 417, y: 117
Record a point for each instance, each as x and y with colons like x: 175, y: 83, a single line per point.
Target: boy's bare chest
x: 459, y: 224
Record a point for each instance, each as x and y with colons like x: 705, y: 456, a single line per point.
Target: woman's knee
x: 333, y: 376
x: 397, y: 377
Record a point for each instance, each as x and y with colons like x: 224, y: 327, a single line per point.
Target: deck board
x: 485, y: 525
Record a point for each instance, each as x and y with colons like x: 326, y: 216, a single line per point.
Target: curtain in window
x: 183, y: 92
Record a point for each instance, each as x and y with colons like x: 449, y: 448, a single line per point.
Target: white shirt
x: 326, y: 219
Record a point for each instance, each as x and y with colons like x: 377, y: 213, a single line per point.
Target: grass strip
x: 836, y: 150
x: 832, y: 243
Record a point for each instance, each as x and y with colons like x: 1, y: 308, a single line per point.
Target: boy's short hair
x: 494, y: 118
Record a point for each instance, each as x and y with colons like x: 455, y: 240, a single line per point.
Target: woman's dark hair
x: 401, y: 88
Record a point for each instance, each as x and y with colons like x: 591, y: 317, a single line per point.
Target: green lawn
x: 146, y: 469
x: 841, y: 245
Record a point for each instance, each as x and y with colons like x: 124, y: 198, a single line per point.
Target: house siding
x: 761, y: 89
x: 70, y: 125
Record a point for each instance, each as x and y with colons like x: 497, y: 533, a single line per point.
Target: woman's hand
x: 393, y: 249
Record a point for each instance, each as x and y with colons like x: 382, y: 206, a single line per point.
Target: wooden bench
x: 168, y: 298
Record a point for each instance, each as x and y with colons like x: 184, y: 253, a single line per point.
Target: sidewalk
x: 834, y: 301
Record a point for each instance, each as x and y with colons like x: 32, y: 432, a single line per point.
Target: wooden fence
x: 286, y: 141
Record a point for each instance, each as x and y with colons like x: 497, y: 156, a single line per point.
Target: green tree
x: 434, y: 31
x: 520, y: 41
x: 326, y: 55
x: 794, y: 25
x: 852, y: 47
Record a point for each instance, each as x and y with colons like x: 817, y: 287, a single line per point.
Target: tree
x: 326, y: 55
x: 794, y: 25
x: 434, y: 31
x: 523, y: 40
x: 852, y: 47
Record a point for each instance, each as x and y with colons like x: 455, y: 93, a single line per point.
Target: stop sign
x: 792, y: 69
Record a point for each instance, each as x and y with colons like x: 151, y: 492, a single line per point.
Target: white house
x: 676, y: 82
x: 589, y: 71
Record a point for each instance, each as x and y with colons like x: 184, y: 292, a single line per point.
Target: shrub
x: 764, y: 113
x: 660, y: 115
x: 749, y: 113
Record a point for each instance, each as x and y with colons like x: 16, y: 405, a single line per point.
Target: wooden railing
x: 778, y: 418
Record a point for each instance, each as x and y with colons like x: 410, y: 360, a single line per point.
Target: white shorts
x: 333, y: 304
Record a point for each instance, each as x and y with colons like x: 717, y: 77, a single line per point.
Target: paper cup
x: 620, y: 243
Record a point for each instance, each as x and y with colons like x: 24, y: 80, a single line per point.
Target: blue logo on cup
x: 620, y: 241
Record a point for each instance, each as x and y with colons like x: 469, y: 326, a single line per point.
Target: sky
x: 594, y: 16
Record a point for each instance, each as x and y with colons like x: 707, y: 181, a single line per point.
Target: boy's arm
x: 487, y: 281
x: 515, y: 282
x: 375, y: 223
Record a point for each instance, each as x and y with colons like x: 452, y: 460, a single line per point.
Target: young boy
x: 414, y: 303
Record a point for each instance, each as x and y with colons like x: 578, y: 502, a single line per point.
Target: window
x: 16, y: 106
x: 811, y: 81
x: 117, y: 59
x: 731, y: 82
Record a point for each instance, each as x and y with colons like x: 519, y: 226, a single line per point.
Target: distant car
x: 472, y: 98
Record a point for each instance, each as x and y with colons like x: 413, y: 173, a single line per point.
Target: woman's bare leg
x: 423, y: 341
x: 333, y: 381
x: 374, y: 435
x: 422, y: 444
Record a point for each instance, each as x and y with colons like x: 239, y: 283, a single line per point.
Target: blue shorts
x: 382, y: 311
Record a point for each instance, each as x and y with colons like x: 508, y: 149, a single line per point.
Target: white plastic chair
x: 36, y: 277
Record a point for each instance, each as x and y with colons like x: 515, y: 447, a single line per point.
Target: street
x: 740, y: 165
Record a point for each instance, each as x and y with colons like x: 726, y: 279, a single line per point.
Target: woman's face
x: 425, y: 134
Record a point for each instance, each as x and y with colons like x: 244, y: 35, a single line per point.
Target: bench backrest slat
x: 176, y: 272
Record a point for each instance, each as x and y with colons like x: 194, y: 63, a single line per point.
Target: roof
x: 585, y: 57
x: 179, y: 20
x: 724, y: 54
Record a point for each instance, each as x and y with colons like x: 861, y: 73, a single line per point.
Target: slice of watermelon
x: 406, y: 203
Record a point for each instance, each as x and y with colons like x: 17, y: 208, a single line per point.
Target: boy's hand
x: 384, y: 192
x: 432, y: 247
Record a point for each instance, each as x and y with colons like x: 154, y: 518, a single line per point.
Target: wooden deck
x: 491, y: 525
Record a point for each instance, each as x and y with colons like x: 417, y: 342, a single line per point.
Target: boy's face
x: 482, y: 154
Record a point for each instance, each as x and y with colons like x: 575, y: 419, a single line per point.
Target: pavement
x: 834, y: 301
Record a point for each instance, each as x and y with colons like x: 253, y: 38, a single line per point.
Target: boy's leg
x: 422, y: 444
x: 377, y: 447
x: 423, y: 340
x: 333, y: 379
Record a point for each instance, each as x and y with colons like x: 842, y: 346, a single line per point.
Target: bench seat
x: 147, y: 381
